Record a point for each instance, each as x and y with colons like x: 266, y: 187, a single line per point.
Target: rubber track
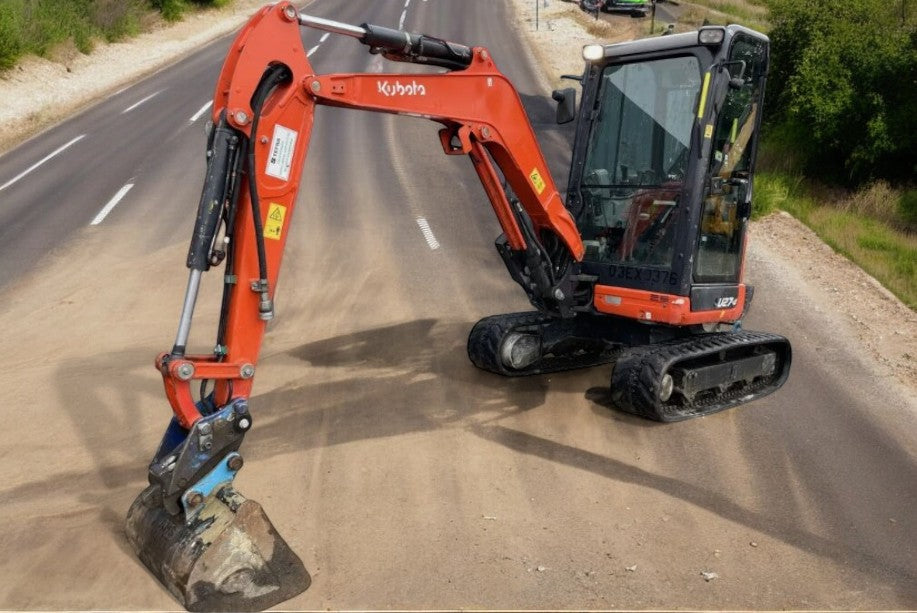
x: 638, y: 374
x: 486, y: 339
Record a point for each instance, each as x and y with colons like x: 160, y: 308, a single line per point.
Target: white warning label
x: 281, y: 156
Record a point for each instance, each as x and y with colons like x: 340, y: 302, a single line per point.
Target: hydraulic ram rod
x: 396, y: 45
x: 335, y: 27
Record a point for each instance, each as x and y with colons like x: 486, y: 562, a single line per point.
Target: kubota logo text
x: 400, y: 89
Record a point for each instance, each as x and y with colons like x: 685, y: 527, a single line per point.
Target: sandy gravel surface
x: 39, y: 92
x: 345, y: 396
x: 848, y: 299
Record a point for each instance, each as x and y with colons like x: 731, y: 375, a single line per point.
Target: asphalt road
x: 404, y: 477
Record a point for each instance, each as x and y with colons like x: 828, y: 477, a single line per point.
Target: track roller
x: 519, y: 344
x: 698, y: 376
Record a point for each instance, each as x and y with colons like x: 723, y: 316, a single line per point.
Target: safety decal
x: 708, y: 131
x: 280, y: 159
x: 537, y: 181
x: 273, y: 226
x: 703, y: 96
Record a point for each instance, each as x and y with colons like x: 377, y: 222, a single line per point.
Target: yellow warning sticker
x: 537, y: 181
x: 708, y: 131
x: 273, y: 226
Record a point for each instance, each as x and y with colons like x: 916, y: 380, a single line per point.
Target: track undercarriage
x: 660, y: 372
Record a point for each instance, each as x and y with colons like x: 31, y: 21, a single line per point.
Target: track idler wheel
x: 227, y: 557
x: 697, y: 376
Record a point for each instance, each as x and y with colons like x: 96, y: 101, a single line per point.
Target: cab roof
x: 672, y: 42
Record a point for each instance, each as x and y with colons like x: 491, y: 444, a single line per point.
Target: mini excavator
x: 640, y: 266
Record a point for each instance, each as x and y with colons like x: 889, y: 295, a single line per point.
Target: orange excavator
x: 640, y: 265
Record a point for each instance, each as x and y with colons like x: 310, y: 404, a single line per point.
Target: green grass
x: 884, y: 249
x: 40, y: 26
x: 722, y: 12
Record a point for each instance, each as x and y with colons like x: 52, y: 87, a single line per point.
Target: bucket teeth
x: 229, y: 557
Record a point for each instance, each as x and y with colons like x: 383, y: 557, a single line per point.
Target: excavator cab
x: 660, y: 184
x: 660, y: 191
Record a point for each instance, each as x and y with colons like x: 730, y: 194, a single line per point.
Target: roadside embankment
x: 38, y: 92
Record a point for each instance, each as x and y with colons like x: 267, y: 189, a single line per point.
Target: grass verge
x: 722, y: 12
x: 41, y: 26
x: 847, y: 224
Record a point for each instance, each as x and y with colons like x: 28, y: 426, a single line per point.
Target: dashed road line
x: 139, y: 102
x: 57, y: 151
x: 203, y: 110
x: 324, y: 37
x: 404, y: 14
x: 111, y: 204
x: 312, y: 50
x: 427, y: 233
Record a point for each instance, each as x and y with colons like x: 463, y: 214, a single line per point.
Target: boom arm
x: 263, y: 109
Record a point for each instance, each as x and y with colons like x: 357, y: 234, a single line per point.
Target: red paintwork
x: 483, y: 118
x: 661, y: 308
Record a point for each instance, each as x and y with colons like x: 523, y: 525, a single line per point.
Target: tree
x: 843, y: 86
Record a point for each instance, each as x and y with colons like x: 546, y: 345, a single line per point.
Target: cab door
x: 728, y: 186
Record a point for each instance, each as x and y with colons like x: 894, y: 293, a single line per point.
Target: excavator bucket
x: 224, y: 556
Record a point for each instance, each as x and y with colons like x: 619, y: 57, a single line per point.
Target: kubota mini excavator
x: 641, y: 265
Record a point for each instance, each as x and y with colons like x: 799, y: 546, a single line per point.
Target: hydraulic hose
x: 273, y: 77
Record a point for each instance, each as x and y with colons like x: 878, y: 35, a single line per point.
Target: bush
x: 842, y: 82
x: 877, y: 201
x: 907, y: 208
x: 171, y: 10
x: 11, y: 43
x: 117, y: 19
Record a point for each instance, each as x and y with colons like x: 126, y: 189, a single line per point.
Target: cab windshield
x: 636, y: 160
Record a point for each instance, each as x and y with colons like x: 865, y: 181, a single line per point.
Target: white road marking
x: 312, y: 50
x: 404, y: 14
x: 324, y: 37
x: 41, y: 161
x: 111, y: 204
x: 407, y: 3
x: 139, y: 102
x: 203, y: 110
x: 427, y: 233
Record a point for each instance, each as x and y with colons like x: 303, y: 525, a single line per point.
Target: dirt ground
x: 863, y: 314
